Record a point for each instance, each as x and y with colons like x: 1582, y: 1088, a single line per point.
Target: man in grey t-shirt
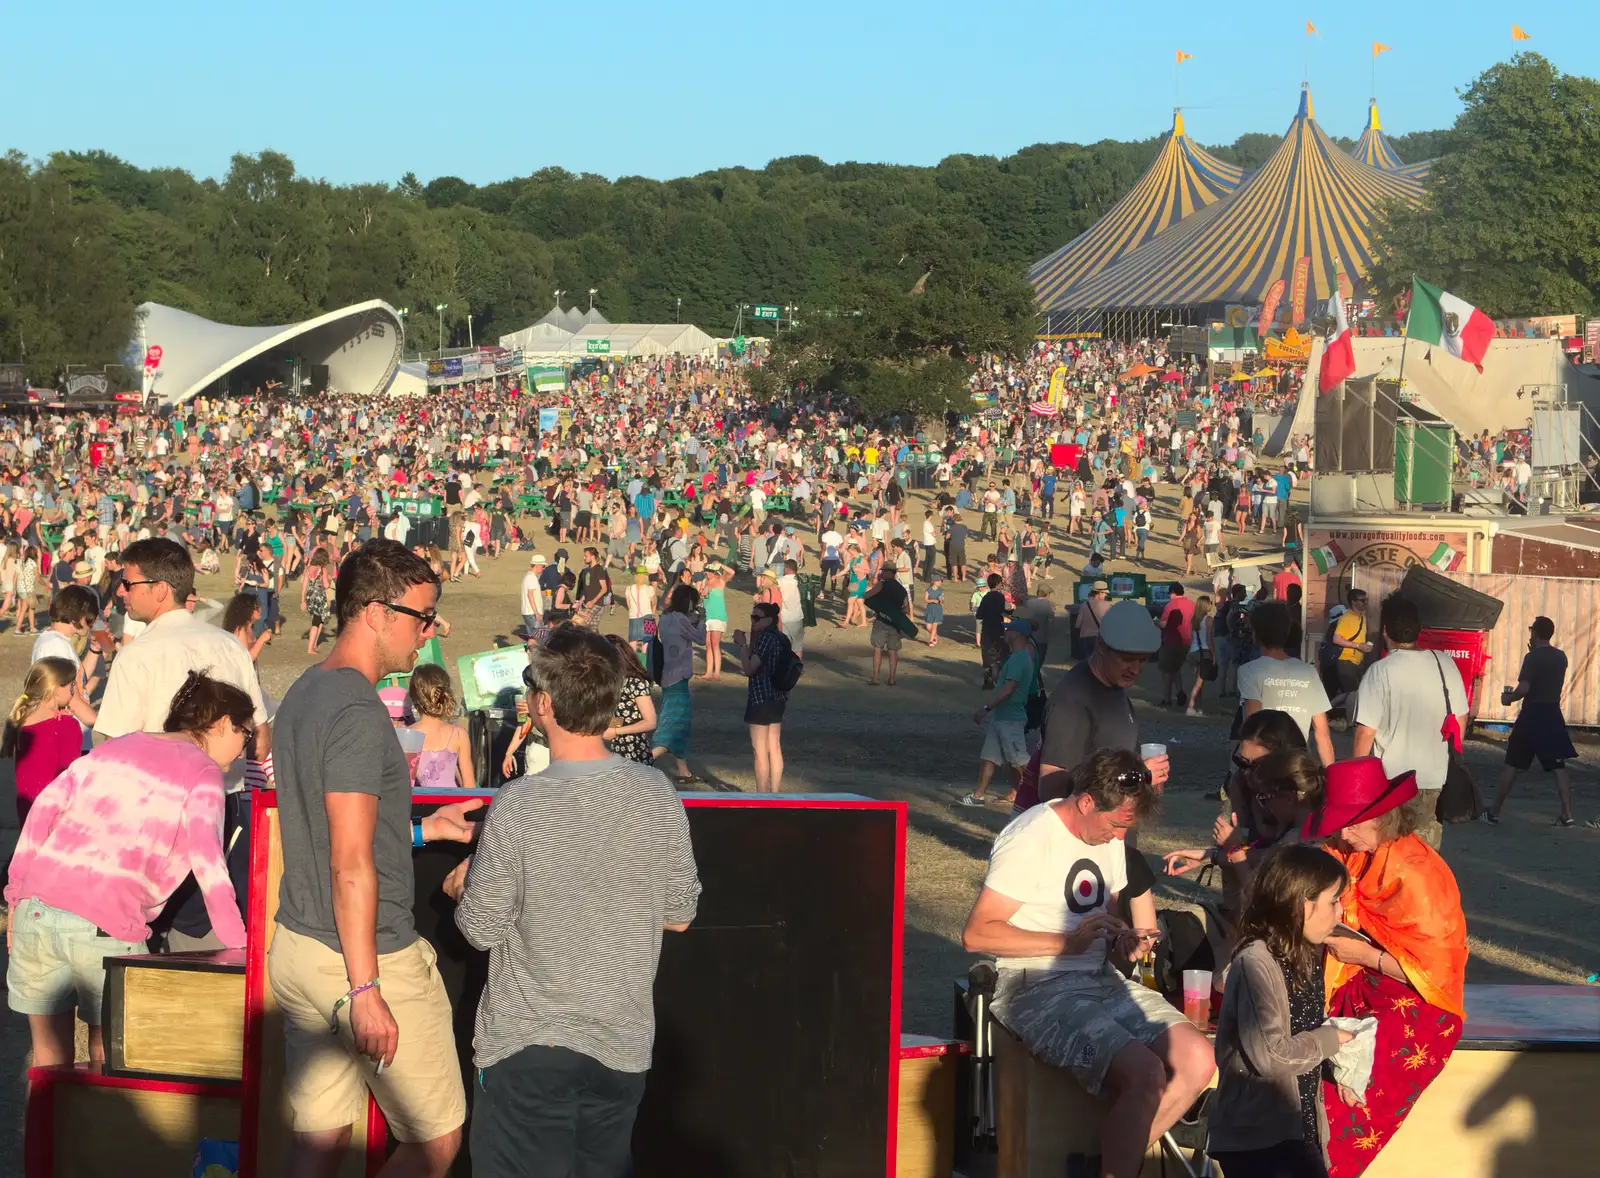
x: 579, y: 870
x: 1278, y: 682
x: 345, y: 953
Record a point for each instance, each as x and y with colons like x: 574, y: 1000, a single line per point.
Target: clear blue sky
x: 369, y: 91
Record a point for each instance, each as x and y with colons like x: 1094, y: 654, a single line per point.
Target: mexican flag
x: 1444, y: 558
x: 1326, y: 557
x: 1438, y: 317
x: 1338, y: 357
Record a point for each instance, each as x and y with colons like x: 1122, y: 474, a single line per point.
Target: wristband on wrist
x: 416, y: 833
x: 333, y: 1018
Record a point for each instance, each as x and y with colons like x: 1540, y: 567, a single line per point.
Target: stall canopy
x: 1310, y: 199
x: 1183, y: 178
x: 639, y: 339
x: 540, y: 339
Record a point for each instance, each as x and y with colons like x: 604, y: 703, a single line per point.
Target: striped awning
x: 1310, y: 199
x: 1374, y: 149
x: 1183, y: 179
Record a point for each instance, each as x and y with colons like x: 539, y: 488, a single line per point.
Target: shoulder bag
x: 1458, y: 799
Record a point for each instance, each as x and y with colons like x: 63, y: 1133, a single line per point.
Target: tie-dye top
x: 111, y: 838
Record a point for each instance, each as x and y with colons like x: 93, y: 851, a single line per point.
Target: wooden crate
x: 925, y: 1142
x: 83, y: 1124
x: 176, y: 1016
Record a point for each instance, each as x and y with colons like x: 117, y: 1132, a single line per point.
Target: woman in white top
x: 641, y: 598
x: 1202, y: 648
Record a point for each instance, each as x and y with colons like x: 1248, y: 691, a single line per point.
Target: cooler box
x: 1469, y: 648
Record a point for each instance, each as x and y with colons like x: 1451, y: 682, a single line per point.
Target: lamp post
x: 678, y: 318
x: 592, y: 293
x: 470, y: 344
x: 401, y: 313
x: 558, y: 300
x: 441, y: 309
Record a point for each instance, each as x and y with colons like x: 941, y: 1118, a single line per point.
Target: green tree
x: 1510, y: 222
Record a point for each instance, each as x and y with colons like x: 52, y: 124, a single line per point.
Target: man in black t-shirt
x: 886, y: 601
x: 991, y: 616
x: 594, y: 583
x: 1540, y: 729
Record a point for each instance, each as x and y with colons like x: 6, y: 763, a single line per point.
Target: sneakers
x: 1491, y: 818
x: 972, y: 800
x: 1566, y: 820
x: 1193, y: 712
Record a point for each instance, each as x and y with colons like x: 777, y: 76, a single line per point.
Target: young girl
x: 314, y: 597
x: 27, y: 584
x: 635, y: 718
x: 855, y: 609
x: 42, y: 731
x: 716, y: 604
x: 446, y: 758
x: 1268, y: 1119
x: 933, y: 608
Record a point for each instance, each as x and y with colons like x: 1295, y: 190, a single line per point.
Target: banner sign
x: 547, y: 379
x: 1297, y: 292
x: 87, y: 384
x: 152, y: 357
x: 452, y: 366
x: 549, y: 418
x: 597, y: 346
x: 1269, y: 305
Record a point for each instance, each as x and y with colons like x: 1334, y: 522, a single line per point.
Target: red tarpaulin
x: 1065, y: 455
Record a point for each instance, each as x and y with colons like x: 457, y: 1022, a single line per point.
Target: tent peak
x: 1372, y: 115
x: 1306, y: 111
x: 1177, y: 122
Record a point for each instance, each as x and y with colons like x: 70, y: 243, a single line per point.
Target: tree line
x: 890, y: 262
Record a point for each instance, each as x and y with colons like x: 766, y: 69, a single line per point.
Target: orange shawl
x: 1404, y: 896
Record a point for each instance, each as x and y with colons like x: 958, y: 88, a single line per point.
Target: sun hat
x: 538, y: 558
x: 1356, y: 791
x: 1100, y: 587
x: 82, y: 568
x: 1128, y: 628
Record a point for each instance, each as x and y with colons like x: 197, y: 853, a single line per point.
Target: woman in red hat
x: 1408, y: 966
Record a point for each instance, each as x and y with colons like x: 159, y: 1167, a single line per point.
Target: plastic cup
x: 1149, y: 752
x: 1197, y: 997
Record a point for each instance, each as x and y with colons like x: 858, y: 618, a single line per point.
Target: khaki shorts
x: 57, y: 961
x: 420, y: 1093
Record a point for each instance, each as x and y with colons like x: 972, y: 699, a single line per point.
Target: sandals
x: 689, y: 779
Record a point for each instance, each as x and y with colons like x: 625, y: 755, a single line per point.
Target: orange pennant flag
x: 1311, y: 30
x: 1517, y: 34
x: 1183, y: 57
x: 1379, y: 47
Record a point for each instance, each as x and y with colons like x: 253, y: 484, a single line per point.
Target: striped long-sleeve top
x: 575, y: 874
x: 111, y: 839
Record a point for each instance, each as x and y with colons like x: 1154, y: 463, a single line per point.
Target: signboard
x: 600, y: 346
x: 452, y: 366
x: 87, y: 385
x: 549, y: 418
x: 1591, y: 340
x: 1334, y: 553
x: 764, y: 311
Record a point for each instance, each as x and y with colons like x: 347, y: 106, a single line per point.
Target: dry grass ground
x: 1529, y: 888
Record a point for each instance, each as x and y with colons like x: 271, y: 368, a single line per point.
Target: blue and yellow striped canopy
x: 1310, y: 199
x: 1374, y: 149
x: 1183, y: 179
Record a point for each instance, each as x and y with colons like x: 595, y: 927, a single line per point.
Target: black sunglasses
x: 1131, y: 781
x: 428, y: 619
x: 1239, y: 762
x: 131, y: 584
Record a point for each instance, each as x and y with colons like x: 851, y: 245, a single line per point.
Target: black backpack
x: 655, y: 658
x: 786, y: 674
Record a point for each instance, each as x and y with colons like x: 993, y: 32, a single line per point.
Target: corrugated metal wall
x: 1573, y: 604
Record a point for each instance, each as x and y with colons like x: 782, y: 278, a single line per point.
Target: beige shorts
x: 420, y: 1093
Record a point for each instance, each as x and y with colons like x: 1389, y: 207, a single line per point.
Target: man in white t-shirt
x: 1046, y: 913
x: 1407, y: 699
x: 1279, y: 682
x: 532, y: 599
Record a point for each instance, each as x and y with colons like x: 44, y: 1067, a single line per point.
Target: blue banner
x: 549, y: 419
x: 452, y: 366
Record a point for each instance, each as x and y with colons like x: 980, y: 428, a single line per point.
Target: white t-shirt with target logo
x: 1058, y: 879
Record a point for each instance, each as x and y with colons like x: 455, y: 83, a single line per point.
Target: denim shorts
x: 1080, y: 1019
x: 58, y: 961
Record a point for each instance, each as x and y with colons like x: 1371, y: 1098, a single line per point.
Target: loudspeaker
x: 319, y: 379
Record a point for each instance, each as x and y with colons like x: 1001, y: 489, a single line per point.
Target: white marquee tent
x: 599, y: 341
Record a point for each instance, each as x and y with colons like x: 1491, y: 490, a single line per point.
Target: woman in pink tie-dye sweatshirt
x: 104, y: 847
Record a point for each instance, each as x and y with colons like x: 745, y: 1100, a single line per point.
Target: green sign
x: 603, y: 346
x: 762, y: 311
x: 738, y: 344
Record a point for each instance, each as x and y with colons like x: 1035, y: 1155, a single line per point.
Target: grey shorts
x: 1079, y: 1020
x: 885, y: 636
x: 57, y: 961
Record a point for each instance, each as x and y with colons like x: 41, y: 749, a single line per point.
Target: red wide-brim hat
x: 1356, y: 791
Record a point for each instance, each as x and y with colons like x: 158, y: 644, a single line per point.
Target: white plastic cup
x: 1197, y: 997
x: 1149, y: 752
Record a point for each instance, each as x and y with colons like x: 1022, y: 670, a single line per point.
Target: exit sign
x: 601, y: 346
x: 762, y: 311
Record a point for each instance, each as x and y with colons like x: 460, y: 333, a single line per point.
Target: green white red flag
x: 1327, y: 557
x: 1440, y: 318
x: 1338, y: 355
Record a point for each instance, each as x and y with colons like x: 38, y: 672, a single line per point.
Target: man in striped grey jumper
x: 577, y: 872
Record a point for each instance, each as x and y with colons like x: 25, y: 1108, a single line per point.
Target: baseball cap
x: 1019, y: 626
x: 1128, y: 628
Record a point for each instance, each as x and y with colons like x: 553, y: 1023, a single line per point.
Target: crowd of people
x: 669, y: 479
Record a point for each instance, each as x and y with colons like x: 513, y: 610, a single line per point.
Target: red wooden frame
x: 377, y: 1130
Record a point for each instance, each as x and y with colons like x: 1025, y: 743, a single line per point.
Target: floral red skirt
x: 1414, y: 1041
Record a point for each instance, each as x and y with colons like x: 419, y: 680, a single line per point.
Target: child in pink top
x: 105, y: 846
x: 43, y: 731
